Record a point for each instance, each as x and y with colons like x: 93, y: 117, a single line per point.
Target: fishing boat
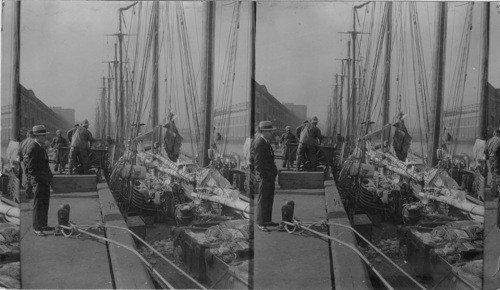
x: 425, y: 208
x: 193, y: 202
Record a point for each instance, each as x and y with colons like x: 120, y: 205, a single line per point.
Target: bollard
x: 287, y: 212
x: 63, y: 216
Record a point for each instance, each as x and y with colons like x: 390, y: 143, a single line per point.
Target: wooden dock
x: 57, y: 262
x: 305, y: 261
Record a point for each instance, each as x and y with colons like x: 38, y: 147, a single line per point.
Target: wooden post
x: 155, y: 103
x: 484, y: 98
x: 438, y: 80
x: 207, y: 72
x: 16, y: 88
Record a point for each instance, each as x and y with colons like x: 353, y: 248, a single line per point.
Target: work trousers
x: 40, y: 205
x: 265, y: 200
x: 306, y: 152
x: 288, y: 158
x: 26, y: 181
x: 59, y: 162
x: 78, y: 156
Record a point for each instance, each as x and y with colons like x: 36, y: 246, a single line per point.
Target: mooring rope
x: 298, y: 225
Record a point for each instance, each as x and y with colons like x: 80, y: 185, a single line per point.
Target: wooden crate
x: 301, y: 179
x: 74, y: 183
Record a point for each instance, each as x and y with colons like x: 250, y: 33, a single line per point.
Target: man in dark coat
x: 285, y: 139
x: 265, y: 175
x: 56, y: 143
x: 38, y: 168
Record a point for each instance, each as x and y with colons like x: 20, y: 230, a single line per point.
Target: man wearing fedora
x: 41, y: 177
x: 81, y: 140
x: 265, y: 175
x: 310, y: 137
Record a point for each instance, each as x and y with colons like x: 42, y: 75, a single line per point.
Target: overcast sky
x: 298, y: 44
x: 63, y: 47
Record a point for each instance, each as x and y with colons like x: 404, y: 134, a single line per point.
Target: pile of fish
x: 10, y: 274
x: 473, y: 271
x: 453, y: 239
x: 228, y: 240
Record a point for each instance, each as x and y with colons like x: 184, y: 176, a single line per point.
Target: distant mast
x: 155, y: 102
x: 16, y: 88
x: 438, y: 81
x: 207, y: 74
x: 387, y: 85
x: 483, y: 95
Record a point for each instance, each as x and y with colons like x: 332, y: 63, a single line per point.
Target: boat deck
x: 57, y: 262
x: 491, y: 242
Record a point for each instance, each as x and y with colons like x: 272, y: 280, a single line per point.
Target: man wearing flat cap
x: 309, y: 139
x: 41, y: 178
x: 81, y: 140
x: 265, y: 175
x: 57, y: 143
x: 287, y: 138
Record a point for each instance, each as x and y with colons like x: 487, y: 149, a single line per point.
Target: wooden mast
x: 438, y: 81
x: 16, y: 88
x: 155, y: 103
x: 117, y: 109
x: 387, y: 84
x: 350, y: 106
x: 121, y: 100
x: 108, y: 106
x: 207, y: 74
x: 484, y: 98
x: 336, y: 107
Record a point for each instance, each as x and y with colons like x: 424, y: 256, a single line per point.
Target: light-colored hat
x: 39, y: 130
x: 58, y: 132
x: 85, y: 123
x: 288, y: 128
x: 266, y: 126
x: 314, y: 120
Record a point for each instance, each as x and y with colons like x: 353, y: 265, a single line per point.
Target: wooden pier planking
x: 349, y: 269
x: 129, y: 271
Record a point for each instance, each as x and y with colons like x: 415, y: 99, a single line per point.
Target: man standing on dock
x: 285, y: 139
x: 310, y: 138
x: 81, y: 141
x: 265, y: 175
x: 56, y: 143
x: 38, y: 168
x: 492, y: 155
